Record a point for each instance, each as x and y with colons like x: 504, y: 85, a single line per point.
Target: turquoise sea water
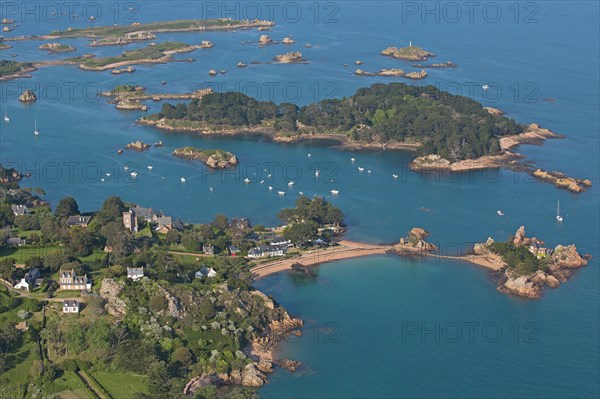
x: 368, y: 303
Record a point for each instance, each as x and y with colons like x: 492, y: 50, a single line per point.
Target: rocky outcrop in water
x: 289, y: 58
x: 28, y: 97
x: 137, y: 146
x: 561, y: 180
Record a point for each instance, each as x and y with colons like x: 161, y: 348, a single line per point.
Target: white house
x: 70, y: 306
x: 135, y: 273
x: 23, y: 284
x: 206, y: 272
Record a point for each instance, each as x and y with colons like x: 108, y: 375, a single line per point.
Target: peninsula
x: 214, y: 158
x: 10, y: 69
x: 448, y: 132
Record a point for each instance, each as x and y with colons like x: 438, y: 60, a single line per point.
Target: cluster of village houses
x: 69, y: 280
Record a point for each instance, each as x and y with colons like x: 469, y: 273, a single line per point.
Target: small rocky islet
x: 212, y: 158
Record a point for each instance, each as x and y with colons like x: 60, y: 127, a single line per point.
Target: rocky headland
x: 507, y: 159
x: 214, y: 159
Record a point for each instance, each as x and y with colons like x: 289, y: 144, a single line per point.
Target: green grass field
x: 21, y: 254
x: 122, y: 385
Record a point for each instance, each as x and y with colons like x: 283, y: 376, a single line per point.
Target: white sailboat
x: 35, y: 129
x: 558, y: 215
x: 6, y: 118
x: 500, y: 213
x: 335, y: 192
x: 182, y: 179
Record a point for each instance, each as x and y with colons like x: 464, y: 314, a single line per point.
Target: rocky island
x: 139, y: 146
x: 410, y: 53
x: 213, y: 158
x: 528, y: 265
x: 28, y: 96
x: 294, y: 57
x: 440, y: 65
x: 393, y: 73
x: 52, y: 48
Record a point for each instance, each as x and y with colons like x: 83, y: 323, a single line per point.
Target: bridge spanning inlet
x: 351, y: 249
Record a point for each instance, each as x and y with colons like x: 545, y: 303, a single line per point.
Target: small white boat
x: 309, y: 155
x: 485, y: 87
x: 102, y: 179
x: 281, y: 193
x: 270, y: 188
x: 262, y: 182
x: 6, y: 118
x: 125, y: 167
x: 246, y: 180
x: 558, y: 215
x: 500, y: 213
x: 269, y: 175
x: 150, y: 167
x: 335, y: 192
x: 133, y: 174
x: 317, y: 172
x: 369, y: 171
x: 300, y: 192
x: 395, y: 176
x: 361, y: 169
x: 291, y: 183
x: 108, y: 175
x: 182, y: 179
x: 35, y: 129
x: 210, y: 189
x: 353, y: 159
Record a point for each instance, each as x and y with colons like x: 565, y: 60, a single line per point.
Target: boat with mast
x: 558, y: 215
x: 35, y: 129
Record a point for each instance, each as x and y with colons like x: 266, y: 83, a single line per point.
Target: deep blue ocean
x: 380, y: 327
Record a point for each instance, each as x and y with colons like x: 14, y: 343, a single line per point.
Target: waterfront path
x: 351, y: 249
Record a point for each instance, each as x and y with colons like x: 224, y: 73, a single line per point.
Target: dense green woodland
x: 135, y: 343
x: 454, y: 127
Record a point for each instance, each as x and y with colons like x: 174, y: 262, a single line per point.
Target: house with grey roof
x: 78, y: 221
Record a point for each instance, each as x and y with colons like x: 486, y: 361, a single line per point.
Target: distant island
x: 136, y: 32
x: 213, y: 158
x: 393, y: 73
x: 159, y: 53
x: 410, y: 53
x: 56, y: 48
x: 448, y: 132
